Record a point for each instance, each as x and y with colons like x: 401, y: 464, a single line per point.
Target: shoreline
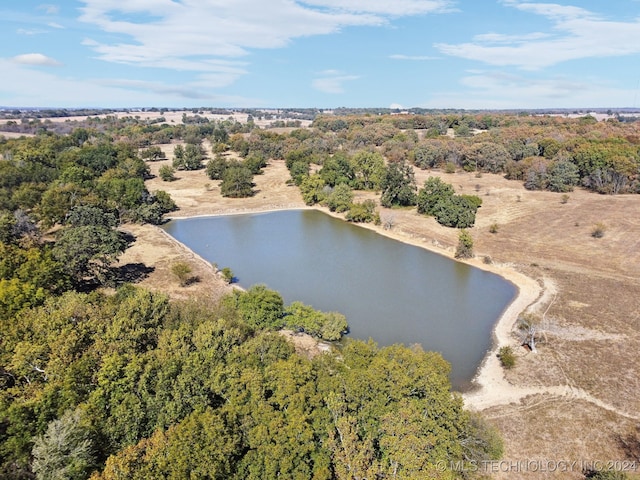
x: 489, y: 386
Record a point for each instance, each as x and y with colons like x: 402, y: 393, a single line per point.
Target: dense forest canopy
x: 125, y: 383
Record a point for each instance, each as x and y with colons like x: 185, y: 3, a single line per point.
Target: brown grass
x: 589, y: 362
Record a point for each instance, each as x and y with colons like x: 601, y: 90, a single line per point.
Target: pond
x: 389, y: 291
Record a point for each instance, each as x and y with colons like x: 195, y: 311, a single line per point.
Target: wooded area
x: 123, y: 382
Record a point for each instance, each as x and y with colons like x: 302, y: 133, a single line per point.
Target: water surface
x: 388, y: 290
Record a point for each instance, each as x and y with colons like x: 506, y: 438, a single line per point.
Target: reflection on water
x: 389, y: 291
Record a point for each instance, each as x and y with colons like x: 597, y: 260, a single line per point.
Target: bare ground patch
x: 580, y: 393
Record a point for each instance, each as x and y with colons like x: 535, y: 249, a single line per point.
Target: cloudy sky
x: 320, y: 53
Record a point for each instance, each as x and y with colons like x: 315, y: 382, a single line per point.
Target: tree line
x: 127, y: 383
x: 130, y: 384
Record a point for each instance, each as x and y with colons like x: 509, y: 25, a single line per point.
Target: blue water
x: 389, y: 291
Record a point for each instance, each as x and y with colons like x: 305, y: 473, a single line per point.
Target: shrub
x: 598, y: 230
x: 465, y: 245
x: 227, y: 274
x: 328, y: 326
x: 606, y: 475
x: 183, y: 272
x: 507, y: 358
x: 388, y: 221
x: 493, y: 228
x: 166, y: 173
x: 364, y: 212
x: 450, y: 167
x: 153, y: 154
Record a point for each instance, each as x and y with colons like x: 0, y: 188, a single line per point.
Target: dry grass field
x: 578, y: 398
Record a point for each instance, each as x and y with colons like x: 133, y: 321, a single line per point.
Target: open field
x: 171, y: 117
x: 578, y: 398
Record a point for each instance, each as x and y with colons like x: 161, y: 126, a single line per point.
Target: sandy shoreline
x: 582, y: 383
x: 489, y: 384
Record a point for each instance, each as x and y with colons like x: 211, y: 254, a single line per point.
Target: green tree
x: 163, y: 199
x: 312, y: 189
x: 88, y: 251
x: 387, y: 410
x: 299, y: 170
x: 216, y: 167
x: 259, y: 307
x: 153, y: 153
x: 485, y: 156
x: 457, y: 211
x: 57, y: 200
x: 337, y: 169
x: 7, y: 227
x: 398, y: 185
x: 428, y: 155
x: 340, y: 198
x: 203, y: 445
x: 16, y: 295
x: 480, y: 441
x: 433, y: 192
x: 64, y: 450
x: 563, y: 176
x: 237, y: 182
x: 38, y: 267
x: 121, y: 191
x: 227, y: 274
x: 368, y: 169
x: 193, y: 156
x: 178, y: 157
x: 506, y: 356
x: 255, y: 162
x: 88, y: 215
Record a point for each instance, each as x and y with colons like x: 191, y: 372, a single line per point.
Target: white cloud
x: 385, y: 7
x: 159, y: 88
x: 329, y: 72
x: 184, y: 35
x: 36, y: 59
x: 501, y: 38
x: 49, y: 9
x: 398, y: 56
x: 332, y: 81
x: 30, y: 31
x: 55, y: 25
x: 22, y: 87
x: 577, y: 33
x: 196, y: 28
x: 500, y: 90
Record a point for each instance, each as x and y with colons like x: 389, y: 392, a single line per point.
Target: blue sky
x: 473, y: 54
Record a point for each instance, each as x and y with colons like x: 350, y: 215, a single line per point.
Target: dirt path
x: 580, y: 393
